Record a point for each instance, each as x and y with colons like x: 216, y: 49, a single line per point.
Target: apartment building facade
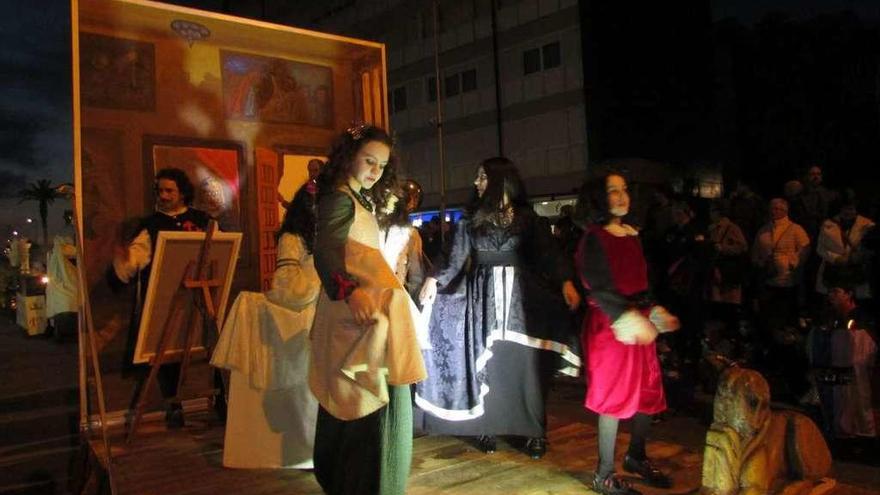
x: 511, y: 84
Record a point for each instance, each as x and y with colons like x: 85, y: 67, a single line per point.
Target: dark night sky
x: 35, y: 107
x: 749, y: 11
x: 35, y: 136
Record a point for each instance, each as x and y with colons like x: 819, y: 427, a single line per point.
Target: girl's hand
x: 429, y: 291
x: 664, y: 320
x: 571, y: 295
x: 362, y: 307
x: 632, y: 328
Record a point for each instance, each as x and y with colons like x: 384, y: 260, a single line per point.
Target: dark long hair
x: 299, y: 218
x: 341, y: 160
x: 502, y: 178
x: 399, y: 216
x: 592, y: 203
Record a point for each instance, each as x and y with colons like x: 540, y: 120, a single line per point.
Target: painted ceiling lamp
x: 190, y: 31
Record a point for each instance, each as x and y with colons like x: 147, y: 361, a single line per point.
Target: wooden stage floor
x: 189, y: 461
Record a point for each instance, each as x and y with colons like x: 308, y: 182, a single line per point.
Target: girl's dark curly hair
x: 184, y: 185
x: 592, y: 203
x: 502, y: 179
x: 341, y: 160
x: 299, y: 218
x: 399, y: 216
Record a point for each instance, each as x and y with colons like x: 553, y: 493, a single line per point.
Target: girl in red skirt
x: 623, y: 374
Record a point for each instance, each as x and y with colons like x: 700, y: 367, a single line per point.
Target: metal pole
x: 497, y: 72
x: 439, y: 118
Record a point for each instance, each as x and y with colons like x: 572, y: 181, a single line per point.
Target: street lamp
x: 33, y: 227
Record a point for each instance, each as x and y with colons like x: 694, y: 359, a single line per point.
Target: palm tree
x: 45, y: 194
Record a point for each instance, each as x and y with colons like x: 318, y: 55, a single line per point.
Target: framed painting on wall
x: 216, y: 169
x: 117, y: 73
x: 276, y: 90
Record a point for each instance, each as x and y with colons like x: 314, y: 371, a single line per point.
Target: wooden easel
x: 198, y: 286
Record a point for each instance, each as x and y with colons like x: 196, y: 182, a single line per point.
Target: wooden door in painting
x: 267, y: 212
x: 281, y: 171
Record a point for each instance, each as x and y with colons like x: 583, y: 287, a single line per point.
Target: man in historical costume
x: 842, y: 355
x: 133, y: 262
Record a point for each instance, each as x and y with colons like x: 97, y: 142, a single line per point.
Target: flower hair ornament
x: 356, y: 131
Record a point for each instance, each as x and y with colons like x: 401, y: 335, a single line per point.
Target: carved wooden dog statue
x: 753, y: 450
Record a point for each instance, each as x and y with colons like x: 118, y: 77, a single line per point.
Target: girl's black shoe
x: 613, y: 485
x: 487, y: 444
x: 536, y: 447
x: 645, y: 469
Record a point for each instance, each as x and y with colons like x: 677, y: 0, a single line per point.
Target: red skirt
x: 622, y: 379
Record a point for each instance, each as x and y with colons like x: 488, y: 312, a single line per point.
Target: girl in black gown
x: 495, y: 329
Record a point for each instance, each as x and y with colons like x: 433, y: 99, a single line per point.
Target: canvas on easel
x: 191, y: 273
x: 174, y: 252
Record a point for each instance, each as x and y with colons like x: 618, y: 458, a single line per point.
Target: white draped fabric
x: 265, y: 343
x: 62, y: 290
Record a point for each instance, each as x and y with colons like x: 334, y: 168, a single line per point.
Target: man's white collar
x: 174, y: 213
